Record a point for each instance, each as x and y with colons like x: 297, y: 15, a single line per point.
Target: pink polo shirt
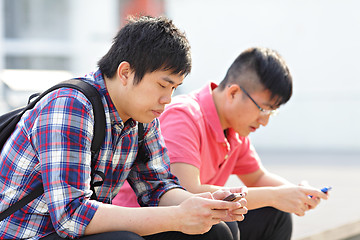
x: 193, y: 134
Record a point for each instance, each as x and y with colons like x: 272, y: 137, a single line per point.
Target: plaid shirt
x: 51, y: 146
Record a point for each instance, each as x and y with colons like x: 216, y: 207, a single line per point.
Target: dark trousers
x: 260, y: 224
x: 107, y: 235
x: 220, y: 231
x: 266, y: 224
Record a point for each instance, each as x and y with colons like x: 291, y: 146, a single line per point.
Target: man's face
x: 146, y: 100
x: 243, y: 115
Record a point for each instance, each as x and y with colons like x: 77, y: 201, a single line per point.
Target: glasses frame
x: 266, y: 112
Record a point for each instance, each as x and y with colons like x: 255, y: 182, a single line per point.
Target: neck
x: 115, y: 92
x: 219, y: 101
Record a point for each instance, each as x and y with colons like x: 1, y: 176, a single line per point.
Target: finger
x: 312, y: 202
x: 207, y: 195
x: 236, y: 217
x: 240, y: 211
x: 300, y: 211
x: 314, y: 193
x: 300, y: 214
x: 220, y: 195
x: 219, y: 214
x: 231, y: 218
x: 242, y: 190
x: 243, y: 202
x: 219, y: 204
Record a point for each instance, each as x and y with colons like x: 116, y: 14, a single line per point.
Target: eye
x: 162, y: 85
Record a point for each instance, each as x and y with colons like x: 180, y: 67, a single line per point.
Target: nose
x: 264, y: 119
x: 165, y: 99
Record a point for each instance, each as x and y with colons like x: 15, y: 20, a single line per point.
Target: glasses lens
x: 274, y: 112
x: 269, y: 112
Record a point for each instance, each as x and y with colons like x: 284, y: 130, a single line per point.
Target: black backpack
x: 9, y: 120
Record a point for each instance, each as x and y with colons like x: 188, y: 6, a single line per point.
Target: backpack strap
x: 99, y: 134
x: 99, y: 126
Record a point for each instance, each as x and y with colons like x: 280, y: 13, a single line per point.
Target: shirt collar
x: 212, y: 119
x: 100, y: 84
x: 209, y: 110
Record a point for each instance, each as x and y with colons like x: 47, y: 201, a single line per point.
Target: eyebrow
x: 270, y: 106
x: 167, y: 79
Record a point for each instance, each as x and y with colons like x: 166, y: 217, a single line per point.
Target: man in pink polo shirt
x: 206, y: 133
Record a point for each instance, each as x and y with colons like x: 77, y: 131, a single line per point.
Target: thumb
x: 207, y: 195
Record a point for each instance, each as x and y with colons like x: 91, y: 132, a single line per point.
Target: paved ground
x: 336, y: 218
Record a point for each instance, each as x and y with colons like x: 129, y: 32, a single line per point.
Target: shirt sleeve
x: 62, y: 135
x: 150, y: 180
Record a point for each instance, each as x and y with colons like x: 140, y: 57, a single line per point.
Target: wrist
x: 273, y: 195
x: 175, y: 218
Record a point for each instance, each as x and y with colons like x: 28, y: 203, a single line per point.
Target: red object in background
x: 140, y: 8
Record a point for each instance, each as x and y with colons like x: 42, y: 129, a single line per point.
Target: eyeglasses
x: 262, y: 111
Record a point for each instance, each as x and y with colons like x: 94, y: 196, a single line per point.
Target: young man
x: 206, y: 133
x: 51, y: 146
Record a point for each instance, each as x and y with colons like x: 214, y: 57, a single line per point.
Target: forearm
x: 115, y: 218
x: 269, y: 179
x: 195, y: 215
x: 258, y: 197
x: 263, y: 192
x: 174, y: 196
x: 200, y: 188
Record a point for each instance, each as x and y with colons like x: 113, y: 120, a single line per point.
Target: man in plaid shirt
x: 51, y: 146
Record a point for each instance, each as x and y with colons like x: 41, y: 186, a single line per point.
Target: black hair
x: 270, y: 68
x: 148, y: 44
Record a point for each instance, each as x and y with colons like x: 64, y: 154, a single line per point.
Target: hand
x: 295, y: 199
x: 316, y: 199
x: 199, y: 213
x: 236, y: 214
x: 224, y: 192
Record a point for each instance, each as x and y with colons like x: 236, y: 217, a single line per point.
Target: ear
x: 231, y: 91
x: 123, y: 72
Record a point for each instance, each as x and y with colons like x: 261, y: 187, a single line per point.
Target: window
x: 45, y: 19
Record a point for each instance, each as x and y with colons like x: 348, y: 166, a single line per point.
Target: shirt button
x: 226, y: 156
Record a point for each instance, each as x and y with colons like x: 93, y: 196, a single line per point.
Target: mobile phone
x: 234, y: 197
x: 326, y: 189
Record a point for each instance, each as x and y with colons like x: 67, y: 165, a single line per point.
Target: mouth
x: 253, y: 129
x: 157, y: 113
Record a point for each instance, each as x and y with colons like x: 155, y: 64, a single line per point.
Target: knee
x: 220, y: 231
x: 284, y: 218
x: 120, y: 235
x: 283, y: 222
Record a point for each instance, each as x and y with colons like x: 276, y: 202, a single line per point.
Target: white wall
x: 320, y: 40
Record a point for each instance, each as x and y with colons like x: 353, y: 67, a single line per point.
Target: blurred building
x: 62, y: 36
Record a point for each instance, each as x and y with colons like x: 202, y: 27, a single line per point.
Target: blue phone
x: 326, y: 189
